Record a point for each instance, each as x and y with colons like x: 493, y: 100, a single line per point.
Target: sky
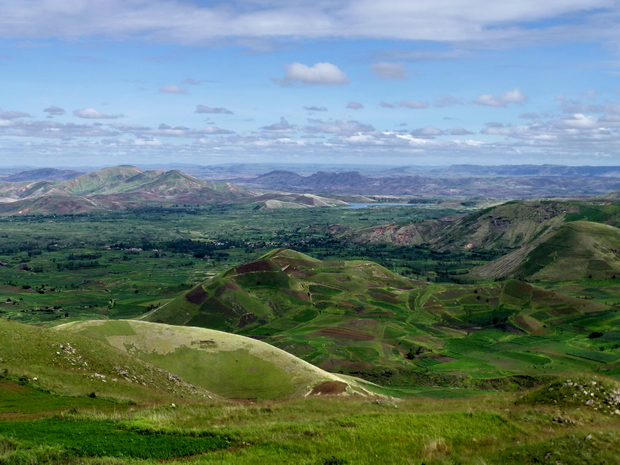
x: 393, y: 82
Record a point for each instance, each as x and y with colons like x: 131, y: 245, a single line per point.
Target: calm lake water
x: 379, y: 204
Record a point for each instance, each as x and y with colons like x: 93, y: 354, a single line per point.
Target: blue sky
x: 105, y: 82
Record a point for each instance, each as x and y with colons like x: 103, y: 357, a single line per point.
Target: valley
x: 244, y: 326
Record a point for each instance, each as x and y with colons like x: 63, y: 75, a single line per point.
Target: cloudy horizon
x: 101, y: 82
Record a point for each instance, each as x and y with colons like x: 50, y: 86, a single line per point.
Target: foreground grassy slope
x: 69, y: 364
x: 227, y: 364
x: 359, y: 318
x: 549, y: 425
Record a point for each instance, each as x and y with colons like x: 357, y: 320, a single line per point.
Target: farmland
x: 419, y: 350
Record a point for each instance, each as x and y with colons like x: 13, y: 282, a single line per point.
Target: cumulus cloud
x: 529, y: 116
x: 510, y: 96
x: 282, y: 127
x: 313, y: 108
x: 319, y: 73
x: 427, y: 132
x: 387, y: 105
x: 172, y: 89
x: 413, y: 104
x: 206, y: 109
x: 354, y: 105
x: 91, y: 113
x: 458, y: 131
x: 54, y: 111
x: 341, y: 126
x: 389, y: 70
x: 215, y: 130
x: 13, y: 114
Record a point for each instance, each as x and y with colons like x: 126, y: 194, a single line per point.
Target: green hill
x: 227, y: 364
x: 575, y: 251
x: 72, y: 365
x: 506, y: 226
x: 359, y: 318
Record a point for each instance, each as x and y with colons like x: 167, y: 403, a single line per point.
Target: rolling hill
x: 228, y: 365
x: 502, y: 227
x: 574, y: 251
x: 357, y: 317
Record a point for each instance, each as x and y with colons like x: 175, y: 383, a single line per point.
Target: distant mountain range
x: 487, y: 183
x: 126, y: 186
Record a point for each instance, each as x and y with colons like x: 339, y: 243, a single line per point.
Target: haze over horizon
x: 109, y: 82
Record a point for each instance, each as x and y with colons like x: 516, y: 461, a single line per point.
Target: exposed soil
x: 247, y: 319
x: 262, y: 265
x: 329, y: 388
x: 197, y: 295
x: 344, y: 334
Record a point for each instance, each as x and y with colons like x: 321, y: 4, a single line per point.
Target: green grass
x: 109, y: 439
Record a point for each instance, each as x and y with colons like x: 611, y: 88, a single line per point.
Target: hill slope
x: 357, y: 317
x: 70, y: 364
x: 576, y: 250
x: 227, y: 364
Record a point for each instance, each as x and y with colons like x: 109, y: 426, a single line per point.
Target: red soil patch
x: 454, y: 294
x: 197, y: 295
x: 440, y: 358
x: 246, y: 319
x: 262, y: 265
x: 562, y: 311
x: 231, y: 286
x: 334, y: 364
x: 384, y: 297
x: 299, y: 295
x: 328, y: 388
x: 372, y: 285
x: 344, y: 334
x: 541, y: 294
x: 283, y: 261
x: 343, y: 278
x: 303, y: 274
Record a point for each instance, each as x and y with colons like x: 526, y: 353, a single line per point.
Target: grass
x: 432, y: 427
x: 110, y: 439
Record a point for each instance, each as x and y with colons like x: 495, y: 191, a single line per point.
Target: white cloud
x: 319, y: 73
x: 427, y: 132
x: 341, y: 126
x: 54, y: 111
x: 313, y: 108
x: 91, y: 113
x: 413, y: 104
x: 215, y: 130
x: 185, y: 22
x: 13, y: 114
x: 510, y: 96
x: 206, y: 109
x: 387, y: 105
x: 389, y: 70
x: 283, y: 127
x: 354, y: 106
x: 458, y: 131
x: 578, y: 121
x: 172, y: 89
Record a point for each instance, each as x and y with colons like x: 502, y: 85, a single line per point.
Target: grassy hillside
x: 72, y: 365
x: 359, y: 318
x: 227, y: 364
x: 575, y: 251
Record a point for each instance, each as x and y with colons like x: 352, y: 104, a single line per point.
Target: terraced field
x: 358, y: 317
